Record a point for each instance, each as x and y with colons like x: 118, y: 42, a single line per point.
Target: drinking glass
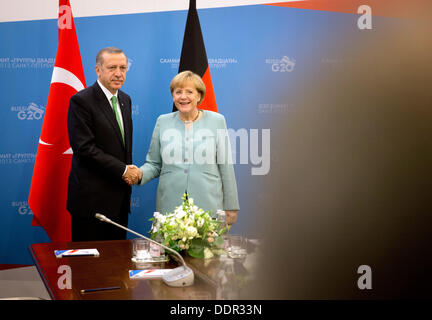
x: 140, y: 250
x: 237, y: 246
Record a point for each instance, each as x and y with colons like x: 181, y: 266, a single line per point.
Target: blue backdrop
x: 255, y: 53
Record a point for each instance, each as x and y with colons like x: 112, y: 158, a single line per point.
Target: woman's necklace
x: 190, y: 121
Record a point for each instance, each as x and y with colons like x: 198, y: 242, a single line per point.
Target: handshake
x: 133, y: 175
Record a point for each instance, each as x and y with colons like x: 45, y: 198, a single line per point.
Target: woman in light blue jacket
x: 190, y: 151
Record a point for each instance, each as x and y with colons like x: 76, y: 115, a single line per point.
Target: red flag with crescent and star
x: 48, y: 191
x: 194, y: 58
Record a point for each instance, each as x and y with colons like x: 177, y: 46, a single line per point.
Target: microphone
x: 182, y: 276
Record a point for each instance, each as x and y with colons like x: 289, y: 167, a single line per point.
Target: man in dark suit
x: 100, y: 133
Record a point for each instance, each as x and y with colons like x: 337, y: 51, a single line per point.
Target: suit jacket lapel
x: 107, y: 110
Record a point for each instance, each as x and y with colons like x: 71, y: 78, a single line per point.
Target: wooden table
x: 112, y: 267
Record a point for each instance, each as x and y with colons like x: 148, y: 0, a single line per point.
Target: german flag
x: 194, y: 58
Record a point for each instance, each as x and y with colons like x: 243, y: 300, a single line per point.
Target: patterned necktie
x: 114, y: 104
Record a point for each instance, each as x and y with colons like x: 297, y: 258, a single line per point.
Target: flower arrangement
x: 189, y: 228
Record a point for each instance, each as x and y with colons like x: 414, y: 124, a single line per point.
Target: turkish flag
x: 48, y: 191
x: 194, y: 58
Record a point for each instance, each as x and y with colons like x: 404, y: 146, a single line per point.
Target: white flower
x: 182, y: 225
x: 208, y: 253
x: 191, y: 232
x: 179, y: 213
x: 200, y: 222
x: 190, y: 221
x: 162, y: 219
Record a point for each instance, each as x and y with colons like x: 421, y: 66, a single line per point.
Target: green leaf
x: 198, y: 243
x: 219, y: 242
x: 219, y: 251
x: 196, y: 248
x: 196, y: 252
x: 223, y: 231
x: 174, y: 245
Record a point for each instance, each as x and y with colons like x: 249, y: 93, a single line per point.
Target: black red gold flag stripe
x: 194, y: 58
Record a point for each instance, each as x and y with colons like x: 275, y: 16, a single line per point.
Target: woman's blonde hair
x: 180, y: 79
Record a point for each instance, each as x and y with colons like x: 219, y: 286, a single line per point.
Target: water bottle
x: 221, y: 218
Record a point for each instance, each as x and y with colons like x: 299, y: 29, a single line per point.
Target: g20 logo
x: 284, y: 65
x: 22, y: 207
x: 33, y: 112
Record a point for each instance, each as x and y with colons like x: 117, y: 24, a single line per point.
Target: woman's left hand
x: 231, y: 217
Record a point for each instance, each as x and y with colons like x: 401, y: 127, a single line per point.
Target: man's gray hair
x: 99, y: 56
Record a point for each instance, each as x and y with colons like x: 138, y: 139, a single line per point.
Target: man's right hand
x: 133, y: 175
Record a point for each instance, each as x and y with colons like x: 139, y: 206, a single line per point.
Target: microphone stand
x: 182, y: 276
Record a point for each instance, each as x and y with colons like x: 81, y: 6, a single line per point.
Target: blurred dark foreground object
x: 352, y: 185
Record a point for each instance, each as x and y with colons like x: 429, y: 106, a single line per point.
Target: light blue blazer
x: 197, y: 160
